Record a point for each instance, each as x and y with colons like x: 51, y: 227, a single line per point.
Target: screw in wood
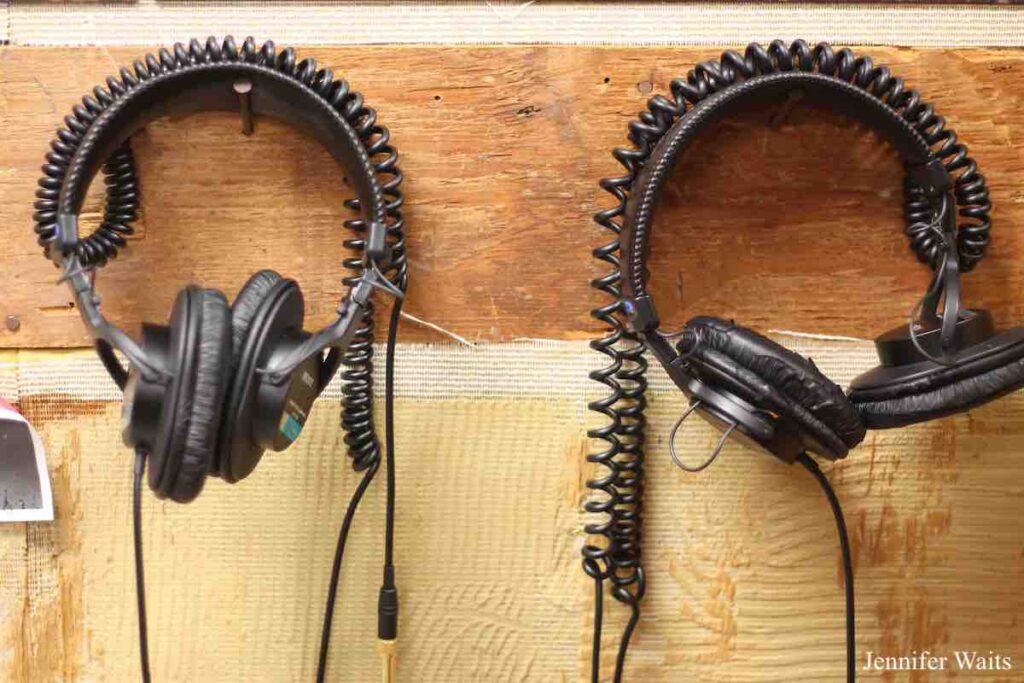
x: 243, y: 89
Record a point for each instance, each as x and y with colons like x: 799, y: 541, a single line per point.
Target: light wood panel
x: 502, y: 148
x: 742, y: 560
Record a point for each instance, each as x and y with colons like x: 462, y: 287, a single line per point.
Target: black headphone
x: 946, y: 360
x: 216, y: 387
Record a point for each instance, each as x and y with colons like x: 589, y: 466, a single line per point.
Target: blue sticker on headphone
x: 291, y: 428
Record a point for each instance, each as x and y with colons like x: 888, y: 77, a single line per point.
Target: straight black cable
x: 389, y: 431
x: 140, y: 579
x: 387, y: 597
x: 844, y: 543
x: 387, y: 603
x: 387, y: 608
x: 595, y: 648
x: 339, y: 553
x: 627, y: 634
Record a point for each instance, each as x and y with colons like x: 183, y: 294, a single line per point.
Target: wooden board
x: 503, y: 148
x: 742, y: 560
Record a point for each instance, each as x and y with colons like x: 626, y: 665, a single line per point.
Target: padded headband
x: 923, y: 167
x: 203, y: 87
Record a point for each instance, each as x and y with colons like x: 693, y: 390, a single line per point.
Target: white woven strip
x: 149, y: 22
x: 534, y: 369
x: 4, y: 20
x: 9, y: 376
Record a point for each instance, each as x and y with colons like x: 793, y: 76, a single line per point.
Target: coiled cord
x: 357, y: 406
x: 618, y: 488
x: 620, y: 503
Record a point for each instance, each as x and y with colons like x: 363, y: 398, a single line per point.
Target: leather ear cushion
x: 246, y: 304
x: 202, y: 408
x: 812, y: 394
x: 948, y: 390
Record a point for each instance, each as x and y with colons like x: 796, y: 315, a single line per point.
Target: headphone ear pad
x: 941, y: 390
x: 791, y: 383
x: 203, y: 367
x: 257, y: 325
x: 246, y: 304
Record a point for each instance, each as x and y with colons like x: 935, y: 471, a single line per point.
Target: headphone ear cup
x: 896, y: 396
x: 777, y: 380
x: 201, y: 338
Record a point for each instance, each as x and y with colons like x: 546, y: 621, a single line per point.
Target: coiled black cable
x: 617, y: 498
x: 122, y: 204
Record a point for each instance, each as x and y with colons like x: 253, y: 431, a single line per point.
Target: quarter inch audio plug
x: 387, y: 624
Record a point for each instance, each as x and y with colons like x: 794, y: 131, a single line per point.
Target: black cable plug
x: 387, y: 625
x: 387, y: 607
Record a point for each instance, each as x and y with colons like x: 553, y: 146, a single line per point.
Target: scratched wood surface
x: 502, y: 148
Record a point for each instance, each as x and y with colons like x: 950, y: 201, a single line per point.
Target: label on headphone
x: 301, y: 394
x: 290, y: 427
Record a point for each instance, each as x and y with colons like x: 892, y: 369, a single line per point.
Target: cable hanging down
x: 615, y: 506
x: 844, y: 544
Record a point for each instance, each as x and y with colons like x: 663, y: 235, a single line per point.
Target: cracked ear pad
x: 815, y: 402
x: 944, y: 391
x: 198, y: 412
x: 243, y: 310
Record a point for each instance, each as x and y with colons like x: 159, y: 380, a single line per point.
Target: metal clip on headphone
x: 774, y: 400
x: 216, y: 387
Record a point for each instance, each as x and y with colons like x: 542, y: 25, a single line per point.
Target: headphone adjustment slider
x: 931, y: 176
x: 377, y: 248
x: 65, y: 239
x: 361, y: 293
x: 642, y: 315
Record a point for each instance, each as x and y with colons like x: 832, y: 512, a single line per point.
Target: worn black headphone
x: 946, y: 360
x: 214, y: 389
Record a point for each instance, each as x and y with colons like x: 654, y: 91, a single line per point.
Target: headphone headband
x: 209, y: 87
x: 212, y: 77
x: 923, y: 169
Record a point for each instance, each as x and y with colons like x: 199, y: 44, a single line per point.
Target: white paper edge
x: 45, y: 513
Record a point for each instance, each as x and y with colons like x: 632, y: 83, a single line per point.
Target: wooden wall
x: 789, y: 229
x: 503, y: 147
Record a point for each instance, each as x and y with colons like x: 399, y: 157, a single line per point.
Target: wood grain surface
x: 796, y: 228
x: 742, y: 561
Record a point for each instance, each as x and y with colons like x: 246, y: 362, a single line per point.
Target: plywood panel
x: 503, y: 147
x: 743, y: 566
